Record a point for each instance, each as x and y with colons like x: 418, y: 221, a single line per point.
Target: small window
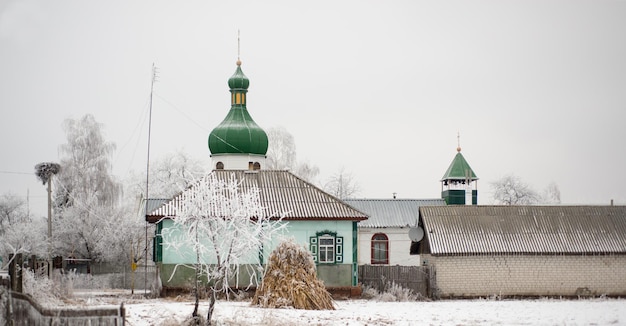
x: 380, y: 249
x: 219, y: 166
x: 327, y: 248
x: 257, y: 166
x: 415, y: 248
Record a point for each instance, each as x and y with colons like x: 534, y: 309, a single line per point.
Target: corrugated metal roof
x: 153, y: 204
x: 280, y: 192
x: 391, y: 212
x: 525, y: 229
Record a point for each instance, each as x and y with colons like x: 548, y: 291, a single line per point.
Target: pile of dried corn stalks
x: 290, y: 280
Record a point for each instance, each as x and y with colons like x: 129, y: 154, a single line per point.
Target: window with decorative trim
x: 219, y: 166
x: 380, y: 249
x: 326, y: 247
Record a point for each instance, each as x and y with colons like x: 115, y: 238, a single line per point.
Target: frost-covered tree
x: 281, y: 155
x: 169, y: 175
x: 511, y: 190
x: 86, y: 193
x: 25, y: 237
x: 551, y: 195
x: 342, y: 185
x: 19, y: 234
x: 225, y: 227
x: 87, y: 168
x: 281, y: 149
x: 121, y: 239
x: 12, y: 210
x: 84, y: 230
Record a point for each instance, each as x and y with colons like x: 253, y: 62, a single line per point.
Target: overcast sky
x: 379, y: 88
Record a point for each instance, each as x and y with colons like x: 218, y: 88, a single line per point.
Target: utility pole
x: 44, y: 172
x: 50, y: 225
x: 154, y: 79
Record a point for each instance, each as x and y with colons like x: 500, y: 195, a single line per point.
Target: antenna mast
x: 154, y: 78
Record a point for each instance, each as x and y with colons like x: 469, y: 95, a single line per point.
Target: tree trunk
x: 196, y: 290
x: 212, y: 300
x: 197, y: 285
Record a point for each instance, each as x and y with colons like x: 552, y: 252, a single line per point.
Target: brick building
x: 525, y: 250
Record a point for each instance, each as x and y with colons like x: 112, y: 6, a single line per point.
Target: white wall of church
x: 399, y: 246
x: 237, y: 162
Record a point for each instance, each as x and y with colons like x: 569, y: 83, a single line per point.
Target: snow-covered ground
x: 143, y: 312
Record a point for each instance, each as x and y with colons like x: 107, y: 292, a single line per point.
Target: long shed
x: 526, y: 250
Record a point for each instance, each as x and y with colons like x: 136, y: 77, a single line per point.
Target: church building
x: 319, y: 221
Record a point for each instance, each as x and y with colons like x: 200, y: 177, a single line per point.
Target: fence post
x: 9, y: 312
x: 123, y: 314
x: 15, y: 272
x: 433, y: 291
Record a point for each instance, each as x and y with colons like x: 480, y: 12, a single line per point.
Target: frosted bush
x: 393, y: 293
x: 386, y: 297
x: 369, y: 292
x: 400, y: 293
x: 241, y: 296
x: 41, y: 288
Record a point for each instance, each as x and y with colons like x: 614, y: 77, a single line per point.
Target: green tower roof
x: 458, y: 168
x: 238, y: 79
x: 238, y: 133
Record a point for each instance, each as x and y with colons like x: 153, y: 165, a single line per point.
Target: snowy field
x: 143, y: 312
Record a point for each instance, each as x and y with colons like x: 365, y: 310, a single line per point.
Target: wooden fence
x: 417, y: 278
x: 25, y: 311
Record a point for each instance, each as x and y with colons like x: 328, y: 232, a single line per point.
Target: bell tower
x: 459, y: 185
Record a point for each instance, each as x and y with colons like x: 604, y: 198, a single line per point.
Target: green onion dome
x: 238, y: 80
x: 238, y: 133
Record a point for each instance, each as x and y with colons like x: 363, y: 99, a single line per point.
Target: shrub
x: 393, y: 293
x: 41, y: 288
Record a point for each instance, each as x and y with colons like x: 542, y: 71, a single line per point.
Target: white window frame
x: 326, y: 249
x: 336, y: 249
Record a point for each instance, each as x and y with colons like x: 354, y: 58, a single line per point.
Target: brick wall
x: 529, y: 275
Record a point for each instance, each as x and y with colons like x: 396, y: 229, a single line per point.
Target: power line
x: 185, y: 115
x: 15, y: 172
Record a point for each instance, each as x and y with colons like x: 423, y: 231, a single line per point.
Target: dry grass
x: 291, y: 281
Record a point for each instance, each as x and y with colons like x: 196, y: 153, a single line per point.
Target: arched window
x: 256, y: 166
x: 219, y: 166
x: 380, y: 249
